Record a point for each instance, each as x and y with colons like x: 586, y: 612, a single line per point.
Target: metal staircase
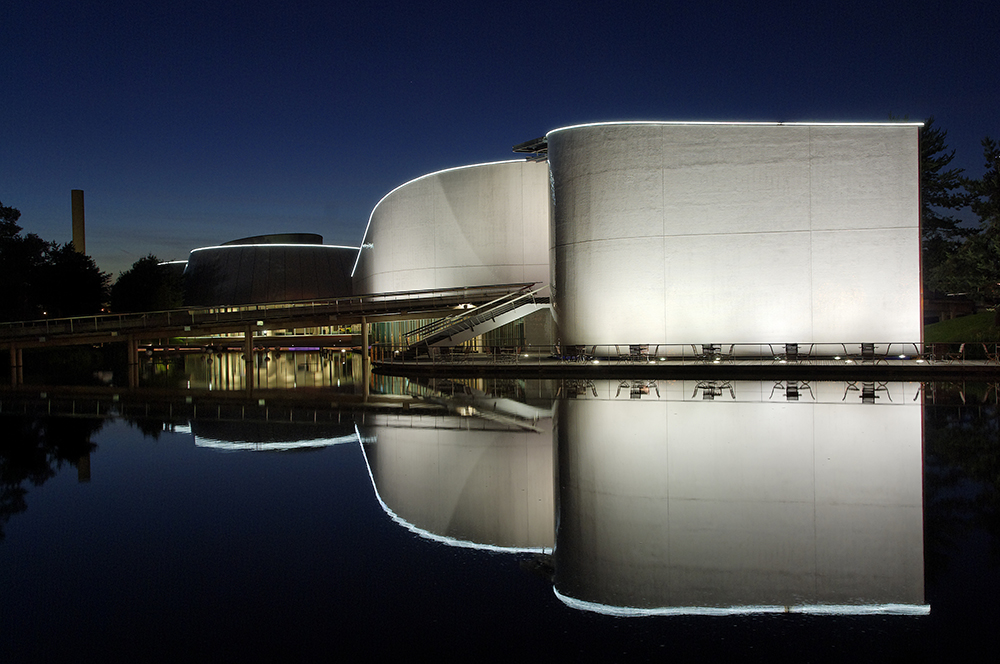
x: 456, y: 329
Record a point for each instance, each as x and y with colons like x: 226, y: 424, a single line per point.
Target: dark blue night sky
x: 193, y: 123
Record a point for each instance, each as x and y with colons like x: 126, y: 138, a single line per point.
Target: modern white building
x: 470, y: 226
x: 741, y: 233
x: 678, y: 232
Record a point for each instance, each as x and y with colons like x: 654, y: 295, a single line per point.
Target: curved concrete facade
x: 737, y: 233
x: 469, y: 226
x: 238, y: 273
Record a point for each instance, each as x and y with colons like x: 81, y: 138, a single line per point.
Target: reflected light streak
x: 808, y: 609
x: 269, y: 446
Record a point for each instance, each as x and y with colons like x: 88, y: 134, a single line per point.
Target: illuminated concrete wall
x: 744, y: 500
x: 476, y: 225
x: 458, y: 484
x: 736, y: 233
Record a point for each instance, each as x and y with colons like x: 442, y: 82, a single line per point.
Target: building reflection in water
x: 729, y: 497
x: 663, y: 497
x: 478, y: 477
x: 680, y: 497
x: 273, y: 369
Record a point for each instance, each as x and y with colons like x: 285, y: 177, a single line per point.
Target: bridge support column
x: 366, y: 359
x: 16, y: 366
x: 248, y: 367
x: 133, y: 361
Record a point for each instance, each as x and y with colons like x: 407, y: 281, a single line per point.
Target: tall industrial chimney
x: 79, y: 238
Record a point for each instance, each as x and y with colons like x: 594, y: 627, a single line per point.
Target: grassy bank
x: 977, y: 327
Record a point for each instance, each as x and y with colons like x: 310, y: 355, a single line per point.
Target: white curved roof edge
x: 425, y: 175
x: 276, y: 244
x: 426, y: 534
x: 811, y: 609
x: 612, y: 123
x: 171, y: 262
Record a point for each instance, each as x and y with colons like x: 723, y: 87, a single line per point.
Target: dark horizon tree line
x: 40, y: 279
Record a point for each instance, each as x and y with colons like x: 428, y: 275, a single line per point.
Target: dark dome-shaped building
x: 269, y: 268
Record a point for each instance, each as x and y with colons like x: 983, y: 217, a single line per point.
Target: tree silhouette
x: 44, y: 278
x: 32, y: 452
x: 941, y: 189
x: 147, y: 286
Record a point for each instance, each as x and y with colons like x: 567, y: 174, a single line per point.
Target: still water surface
x: 615, y: 519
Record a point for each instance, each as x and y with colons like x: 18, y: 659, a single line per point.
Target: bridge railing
x: 468, y: 319
x: 248, y: 313
x: 894, y: 353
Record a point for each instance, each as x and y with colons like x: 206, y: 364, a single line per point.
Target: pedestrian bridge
x: 248, y: 320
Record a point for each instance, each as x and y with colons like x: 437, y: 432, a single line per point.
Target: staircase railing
x: 468, y: 319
